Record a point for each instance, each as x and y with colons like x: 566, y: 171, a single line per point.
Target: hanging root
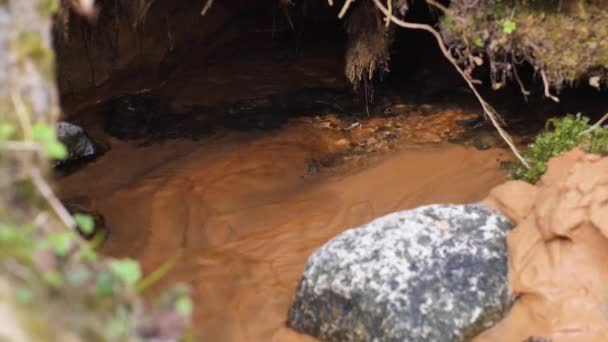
x: 344, y: 8
x: 546, y: 83
x: 207, y: 7
x: 488, y: 110
x: 390, y: 13
x: 523, y: 89
x: 368, y: 41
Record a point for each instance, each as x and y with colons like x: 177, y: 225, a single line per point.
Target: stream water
x: 244, y: 210
x: 243, y: 193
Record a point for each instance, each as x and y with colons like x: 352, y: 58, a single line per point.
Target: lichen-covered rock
x: 435, y: 273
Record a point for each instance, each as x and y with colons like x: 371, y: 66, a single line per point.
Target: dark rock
x: 132, y: 116
x: 151, y: 119
x: 435, y: 273
x: 81, y: 147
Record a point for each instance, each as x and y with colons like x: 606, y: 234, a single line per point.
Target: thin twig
x: 23, y: 115
x: 596, y: 125
x: 345, y: 8
x: 488, y: 110
x: 207, y: 7
x: 546, y: 84
x: 46, y: 192
x: 390, y: 12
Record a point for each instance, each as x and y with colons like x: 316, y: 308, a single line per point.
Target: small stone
x: 78, y: 143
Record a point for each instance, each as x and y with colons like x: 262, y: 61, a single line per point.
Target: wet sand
x: 245, y: 212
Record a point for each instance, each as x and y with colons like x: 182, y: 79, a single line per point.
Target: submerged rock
x: 78, y: 143
x: 82, y: 205
x: 133, y: 116
x: 435, y: 273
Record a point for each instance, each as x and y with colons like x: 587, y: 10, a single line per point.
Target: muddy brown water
x: 244, y: 211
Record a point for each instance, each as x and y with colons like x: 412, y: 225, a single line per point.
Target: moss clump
x: 561, y: 135
x: 566, y: 43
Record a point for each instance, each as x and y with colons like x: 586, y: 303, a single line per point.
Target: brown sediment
x: 245, y: 214
x: 558, y: 253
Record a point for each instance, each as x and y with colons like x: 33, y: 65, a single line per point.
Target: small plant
x: 509, y: 26
x: 565, y: 134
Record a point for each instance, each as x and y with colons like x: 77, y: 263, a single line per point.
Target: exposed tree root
x: 546, y: 84
x: 347, y: 4
x: 207, y: 7
x: 523, y: 89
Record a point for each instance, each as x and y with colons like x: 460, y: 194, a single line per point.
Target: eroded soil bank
x: 557, y: 253
x: 245, y: 210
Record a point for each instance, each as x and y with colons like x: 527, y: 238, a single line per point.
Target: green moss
x: 561, y: 135
x: 566, y: 44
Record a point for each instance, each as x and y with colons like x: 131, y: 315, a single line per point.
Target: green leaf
x: 24, y: 296
x: 117, y: 327
x: 478, y: 42
x: 127, y: 270
x: 89, y: 255
x: 105, y: 284
x: 55, y: 150
x: 85, y: 222
x: 7, y: 130
x: 7, y: 233
x: 53, y: 278
x: 183, y: 306
x: 61, y: 242
x: 43, y: 132
x: 509, y: 27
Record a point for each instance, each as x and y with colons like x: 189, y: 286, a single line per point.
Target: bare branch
x: 488, y: 110
x: 23, y: 115
x: 546, y: 84
x: 46, y: 192
x: 596, y: 125
x: 19, y: 146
